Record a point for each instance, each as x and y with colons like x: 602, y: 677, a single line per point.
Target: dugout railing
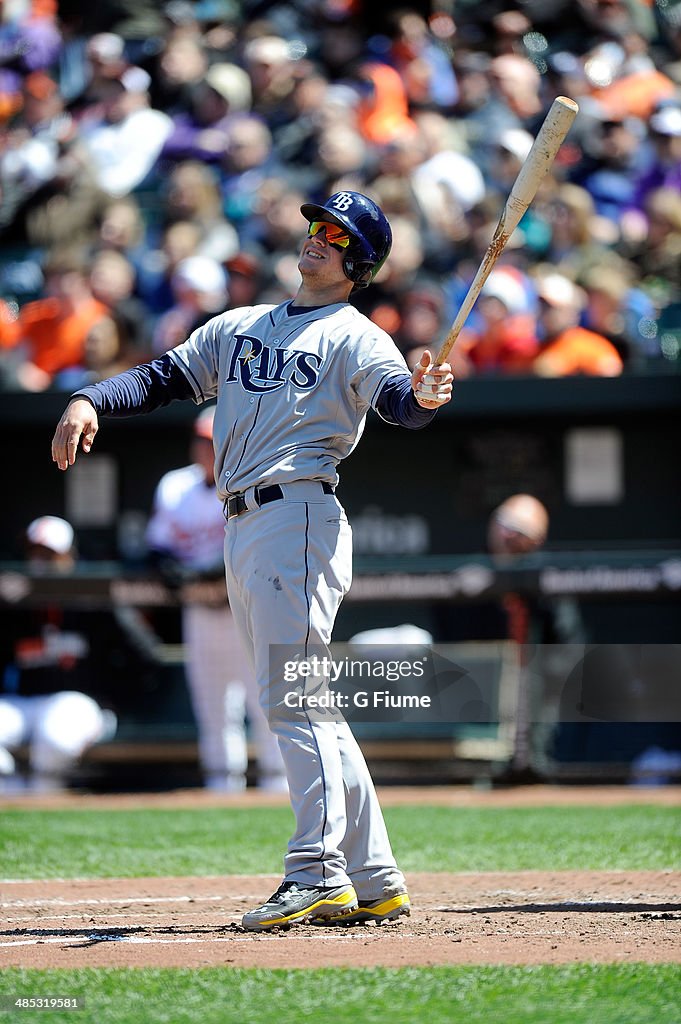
x: 512, y: 729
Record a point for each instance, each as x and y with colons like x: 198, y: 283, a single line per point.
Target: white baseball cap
x: 136, y: 80
x: 270, y: 50
x: 666, y: 121
x: 51, y: 532
x: 558, y: 290
x: 505, y: 287
x: 202, y: 274
x: 232, y: 83
x: 106, y: 47
x: 516, y: 141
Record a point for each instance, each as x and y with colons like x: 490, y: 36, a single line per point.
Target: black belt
x: 235, y: 505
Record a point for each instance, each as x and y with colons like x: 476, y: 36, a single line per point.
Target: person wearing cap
x: 199, y: 285
x: 201, y: 132
x: 577, y: 240
x: 658, y: 254
x: 124, y: 144
x: 29, y: 158
x: 294, y: 383
x: 192, y: 193
x: 664, y: 128
x: 103, y: 59
x: 481, y: 113
x: 271, y: 68
x: 511, y: 151
x: 567, y: 348
x: 52, y: 330
x: 503, y: 338
x: 46, y: 669
x: 517, y: 526
x: 185, y: 536
x: 613, y: 158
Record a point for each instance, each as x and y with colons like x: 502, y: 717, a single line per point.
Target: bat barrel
x: 549, y: 139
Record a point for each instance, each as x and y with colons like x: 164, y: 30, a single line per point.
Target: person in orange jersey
x: 567, y: 348
x: 54, y: 329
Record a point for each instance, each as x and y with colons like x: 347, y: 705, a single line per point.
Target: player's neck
x: 324, y: 296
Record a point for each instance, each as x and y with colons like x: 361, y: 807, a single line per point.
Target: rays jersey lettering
x: 261, y: 369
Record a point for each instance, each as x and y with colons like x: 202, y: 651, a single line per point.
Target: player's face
x: 321, y: 258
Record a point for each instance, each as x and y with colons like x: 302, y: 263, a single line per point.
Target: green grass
x: 219, y: 841
x: 577, y: 994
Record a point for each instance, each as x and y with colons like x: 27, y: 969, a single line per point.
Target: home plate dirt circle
x: 493, y: 918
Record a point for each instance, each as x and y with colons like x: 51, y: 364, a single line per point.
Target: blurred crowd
x: 153, y: 159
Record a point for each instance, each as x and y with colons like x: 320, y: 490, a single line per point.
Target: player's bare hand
x: 432, y: 384
x: 78, y: 421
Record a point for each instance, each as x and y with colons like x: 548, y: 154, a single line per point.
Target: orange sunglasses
x: 335, y: 235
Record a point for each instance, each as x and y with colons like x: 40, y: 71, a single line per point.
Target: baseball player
x: 186, y: 536
x: 48, y: 661
x: 294, y: 383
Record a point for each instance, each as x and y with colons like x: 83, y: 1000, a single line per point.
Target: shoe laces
x: 286, y: 892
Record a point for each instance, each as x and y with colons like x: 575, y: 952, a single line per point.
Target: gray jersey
x: 292, y: 391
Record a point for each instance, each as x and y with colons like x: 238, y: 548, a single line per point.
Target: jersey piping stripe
x: 311, y: 319
x: 312, y: 732
x: 307, y: 575
x: 325, y: 816
x: 186, y: 370
x: 384, y: 378
x: 296, y: 329
x: 231, y: 436
x: 243, y: 451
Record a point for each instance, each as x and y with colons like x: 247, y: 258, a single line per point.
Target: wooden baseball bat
x: 549, y: 139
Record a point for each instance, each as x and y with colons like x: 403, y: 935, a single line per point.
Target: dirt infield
x: 517, y: 918
x: 494, y: 918
x: 390, y: 796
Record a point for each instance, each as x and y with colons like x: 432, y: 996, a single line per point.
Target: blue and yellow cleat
x: 293, y: 903
x: 385, y: 908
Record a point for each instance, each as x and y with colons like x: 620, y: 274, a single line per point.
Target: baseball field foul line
x: 58, y: 902
x: 147, y: 940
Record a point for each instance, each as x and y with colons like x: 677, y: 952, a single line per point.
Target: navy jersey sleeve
x: 396, y: 404
x: 144, y: 388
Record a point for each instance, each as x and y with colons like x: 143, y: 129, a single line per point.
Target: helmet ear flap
x: 358, y: 271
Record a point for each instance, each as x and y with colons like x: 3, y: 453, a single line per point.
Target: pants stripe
x: 322, y: 852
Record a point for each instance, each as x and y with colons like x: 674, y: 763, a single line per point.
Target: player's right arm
x: 186, y: 372
x: 141, y: 389
x: 78, y: 420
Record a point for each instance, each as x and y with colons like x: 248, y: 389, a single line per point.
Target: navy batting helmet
x: 368, y: 227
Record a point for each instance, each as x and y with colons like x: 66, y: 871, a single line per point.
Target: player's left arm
x: 381, y: 379
x: 432, y: 383
x: 412, y: 401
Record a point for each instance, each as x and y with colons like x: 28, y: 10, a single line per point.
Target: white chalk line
x: 145, y: 940
x: 57, y: 901
x: 81, y: 917
x: 98, y: 878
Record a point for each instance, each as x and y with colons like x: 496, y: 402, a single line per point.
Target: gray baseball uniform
x: 293, y: 387
x: 187, y: 522
x: 293, y: 390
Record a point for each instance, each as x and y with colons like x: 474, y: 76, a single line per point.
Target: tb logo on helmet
x: 342, y: 201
